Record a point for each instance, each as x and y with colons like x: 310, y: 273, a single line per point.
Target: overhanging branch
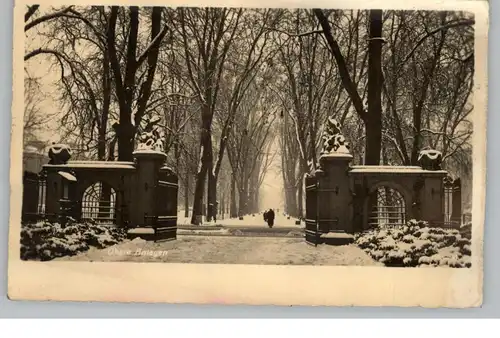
x: 30, y: 12
x: 347, y: 82
x: 44, y: 18
x: 154, y: 43
x: 319, y: 31
x: 437, y: 30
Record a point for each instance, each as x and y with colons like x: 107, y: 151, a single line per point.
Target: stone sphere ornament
x: 430, y: 159
x: 59, y: 153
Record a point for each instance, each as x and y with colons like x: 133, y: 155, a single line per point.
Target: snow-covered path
x: 229, y: 250
x: 257, y: 220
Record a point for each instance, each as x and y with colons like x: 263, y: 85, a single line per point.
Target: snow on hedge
x: 416, y: 244
x: 45, y: 241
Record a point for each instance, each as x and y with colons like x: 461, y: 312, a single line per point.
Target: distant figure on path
x: 265, y: 216
x: 270, y: 217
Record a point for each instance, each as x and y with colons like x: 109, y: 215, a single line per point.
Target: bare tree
x: 252, y: 133
x: 244, y: 64
x: 207, y: 35
x: 127, y: 88
x: 308, y: 90
x: 31, y: 20
x: 428, y: 85
x: 79, y: 47
x: 35, y: 119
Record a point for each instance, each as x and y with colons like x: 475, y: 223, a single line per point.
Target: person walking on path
x: 270, y: 218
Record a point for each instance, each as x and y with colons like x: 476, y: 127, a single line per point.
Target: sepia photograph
x: 250, y: 136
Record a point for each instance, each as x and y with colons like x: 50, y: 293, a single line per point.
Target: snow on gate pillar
x: 59, y: 155
x: 432, y: 198
x: 148, y: 164
x: 432, y: 194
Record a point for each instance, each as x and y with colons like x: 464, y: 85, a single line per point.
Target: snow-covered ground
x: 257, y: 220
x: 229, y: 250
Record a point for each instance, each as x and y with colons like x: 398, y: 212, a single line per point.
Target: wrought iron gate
x: 99, y: 204
x: 452, y: 200
x: 312, y: 231
x: 164, y: 222
x: 388, y: 208
x: 34, y: 194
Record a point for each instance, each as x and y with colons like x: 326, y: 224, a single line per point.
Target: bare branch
x: 349, y: 85
x: 154, y: 44
x: 437, y: 30
x: 44, y: 18
x: 30, y: 12
x: 318, y: 31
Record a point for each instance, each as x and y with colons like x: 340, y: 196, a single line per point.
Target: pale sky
x: 271, y: 192
x: 41, y: 67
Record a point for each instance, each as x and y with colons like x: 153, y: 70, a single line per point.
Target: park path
x: 257, y: 220
x: 229, y: 250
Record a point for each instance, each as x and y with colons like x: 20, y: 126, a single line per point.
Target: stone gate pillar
x: 334, y: 190
x: 456, y: 205
x: 53, y: 193
x: 432, y: 192
x: 148, y: 164
x: 432, y: 197
x: 334, y: 193
x: 56, y: 187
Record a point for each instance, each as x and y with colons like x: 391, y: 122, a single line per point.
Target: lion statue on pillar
x: 151, y: 137
x: 333, y: 139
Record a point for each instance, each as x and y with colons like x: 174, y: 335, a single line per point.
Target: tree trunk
x: 288, y: 202
x: 106, y: 93
x: 374, y: 118
x: 206, y: 163
x: 300, y: 196
x: 211, y: 196
x: 252, y: 198
x: 253, y: 191
x: 104, y: 203
x: 256, y: 201
x: 233, y: 212
x: 111, y: 150
x: 222, y: 206
x: 125, y: 142
x: 125, y: 93
x: 291, y: 200
x: 243, y: 200
x: 186, y: 195
x: 196, y: 217
x: 285, y: 191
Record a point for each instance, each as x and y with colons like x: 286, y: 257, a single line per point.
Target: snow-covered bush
x: 416, y: 244
x: 466, y: 230
x: 413, y: 223
x: 407, y: 239
x: 395, y: 257
x: 45, y: 241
